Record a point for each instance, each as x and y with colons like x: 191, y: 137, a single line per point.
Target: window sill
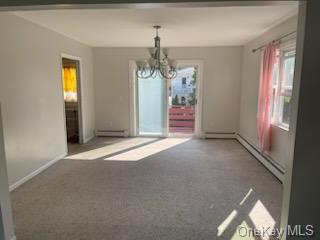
x: 283, y: 128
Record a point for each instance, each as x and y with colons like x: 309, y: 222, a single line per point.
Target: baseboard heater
x: 112, y: 133
x: 268, y: 162
x: 223, y: 135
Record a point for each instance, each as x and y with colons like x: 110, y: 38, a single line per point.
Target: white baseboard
x: 36, y: 172
x: 209, y: 135
x: 112, y: 133
x: 266, y: 162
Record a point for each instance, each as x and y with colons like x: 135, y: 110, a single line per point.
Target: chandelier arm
x: 142, y: 74
x: 175, y: 74
x: 163, y: 73
x: 153, y: 72
x: 153, y: 69
x: 139, y: 74
x: 172, y: 73
x: 165, y: 70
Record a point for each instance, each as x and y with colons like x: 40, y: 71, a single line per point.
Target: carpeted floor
x: 176, y: 189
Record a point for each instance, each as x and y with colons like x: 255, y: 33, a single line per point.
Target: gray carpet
x: 182, y: 193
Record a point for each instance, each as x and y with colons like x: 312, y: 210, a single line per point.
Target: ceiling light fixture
x: 157, y: 66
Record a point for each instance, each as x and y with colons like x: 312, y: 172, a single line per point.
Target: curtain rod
x: 275, y: 40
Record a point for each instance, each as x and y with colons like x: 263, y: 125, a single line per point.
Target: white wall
x: 221, y: 85
x: 34, y: 124
x: 31, y: 94
x: 5, y: 214
x: 249, y: 93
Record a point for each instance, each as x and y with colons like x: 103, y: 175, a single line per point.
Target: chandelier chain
x: 155, y: 66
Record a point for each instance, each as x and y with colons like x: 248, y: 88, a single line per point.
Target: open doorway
x: 184, y: 108
x: 72, y: 99
x: 182, y: 101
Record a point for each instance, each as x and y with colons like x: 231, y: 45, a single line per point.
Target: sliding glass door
x: 151, y: 106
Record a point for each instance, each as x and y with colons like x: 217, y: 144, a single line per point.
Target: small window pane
x: 273, y: 107
x: 291, y: 53
x: 285, y: 100
x: 275, y: 74
x: 275, y: 79
x: 288, y: 72
x: 184, y: 81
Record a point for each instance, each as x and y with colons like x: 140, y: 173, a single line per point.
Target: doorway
x: 182, y: 102
x: 167, y: 107
x: 72, y: 99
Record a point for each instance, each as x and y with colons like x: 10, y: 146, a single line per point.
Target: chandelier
x: 155, y: 65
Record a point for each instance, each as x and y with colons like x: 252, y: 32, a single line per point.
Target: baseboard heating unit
x: 112, y: 133
x: 225, y: 135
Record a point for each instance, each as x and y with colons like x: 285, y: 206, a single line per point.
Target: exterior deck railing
x: 181, y: 119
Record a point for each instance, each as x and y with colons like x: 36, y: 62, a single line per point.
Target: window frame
x: 277, y: 102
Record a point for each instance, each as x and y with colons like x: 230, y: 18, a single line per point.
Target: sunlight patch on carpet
x: 148, y: 150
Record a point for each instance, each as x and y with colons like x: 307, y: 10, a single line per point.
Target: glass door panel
x: 151, y: 106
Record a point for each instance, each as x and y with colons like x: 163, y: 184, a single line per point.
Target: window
x: 184, y: 81
x: 183, y: 100
x: 69, y: 78
x: 282, y: 88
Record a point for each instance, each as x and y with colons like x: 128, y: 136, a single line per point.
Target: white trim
x: 281, y: 126
x: 132, y: 97
x: 63, y: 104
x: 69, y: 56
x: 209, y: 135
x: 36, y: 172
x: 276, y: 172
x: 166, y: 107
x: 112, y: 133
x: 289, y: 45
x: 199, y: 93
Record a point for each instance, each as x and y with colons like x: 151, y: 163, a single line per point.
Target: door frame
x: 133, y: 95
x: 79, y: 96
x: 199, y: 96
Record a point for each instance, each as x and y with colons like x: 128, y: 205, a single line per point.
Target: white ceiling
x: 202, y: 26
